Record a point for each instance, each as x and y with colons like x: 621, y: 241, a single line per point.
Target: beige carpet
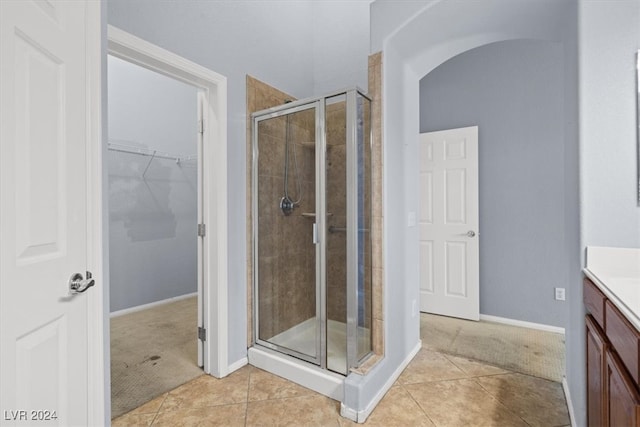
x: 528, y: 351
x: 152, y: 351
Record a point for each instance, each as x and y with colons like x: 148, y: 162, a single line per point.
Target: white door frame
x: 212, y: 99
x: 97, y: 380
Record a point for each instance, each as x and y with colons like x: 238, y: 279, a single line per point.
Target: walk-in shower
x: 311, y: 202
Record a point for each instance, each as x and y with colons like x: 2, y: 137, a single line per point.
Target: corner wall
x: 415, y: 40
x: 608, y: 38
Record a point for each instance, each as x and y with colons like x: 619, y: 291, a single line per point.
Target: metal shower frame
x: 319, y: 104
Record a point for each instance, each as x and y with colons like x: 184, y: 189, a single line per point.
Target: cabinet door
x: 623, y: 402
x: 596, y: 384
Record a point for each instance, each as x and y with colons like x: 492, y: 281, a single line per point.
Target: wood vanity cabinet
x: 613, y: 360
x: 596, y: 375
x: 624, y: 403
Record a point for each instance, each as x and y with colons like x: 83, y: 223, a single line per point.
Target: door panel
x: 449, y: 256
x: 455, y: 194
x: 43, y: 193
x: 456, y: 269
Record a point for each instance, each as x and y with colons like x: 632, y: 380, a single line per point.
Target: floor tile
x: 313, y: 410
x: 474, y: 368
x: 151, y: 407
x: 264, y: 385
x: 462, y: 402
x: 397, y: 408
x: 223, y: 415
x: 133, y: 420
x: 539, y: 402
x: 209, y: 391
x: 430, y: 366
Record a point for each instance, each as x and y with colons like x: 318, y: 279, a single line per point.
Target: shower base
x: 302, y: 338
x: 300, y: 372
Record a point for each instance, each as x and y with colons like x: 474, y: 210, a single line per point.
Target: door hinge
x: 202, y: 230
x: 200, y: 126
x: 202, y: 333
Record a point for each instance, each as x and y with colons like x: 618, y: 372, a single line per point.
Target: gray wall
x: 416, y: 38
x: 233, y: 38
x: 514, y: 92
x: 152, y: 220
x: 274, y: 42
x: 340, y: 44
x: 609, y: 36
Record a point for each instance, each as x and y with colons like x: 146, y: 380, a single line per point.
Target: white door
x: 449, y: 250
x: 45, y: 121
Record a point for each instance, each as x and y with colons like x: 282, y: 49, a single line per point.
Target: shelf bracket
x: 149, y: 164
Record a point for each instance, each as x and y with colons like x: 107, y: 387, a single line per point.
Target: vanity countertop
x: 616, y: 271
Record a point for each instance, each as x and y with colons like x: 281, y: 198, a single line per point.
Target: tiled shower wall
x: 287, y: 303
x: 259, y: 97
x: 336, y: 212
x: 375, y: 93
x: 286, y: 253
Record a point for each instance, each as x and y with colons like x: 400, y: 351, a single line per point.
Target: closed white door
x: 43, y: 193
x: 449, y: 249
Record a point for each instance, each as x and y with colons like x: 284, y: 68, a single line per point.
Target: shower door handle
x: 315, y: 233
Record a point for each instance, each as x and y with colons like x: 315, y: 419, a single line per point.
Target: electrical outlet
x: 559, y: 294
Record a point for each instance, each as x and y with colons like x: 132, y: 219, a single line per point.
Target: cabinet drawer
x: 594, y: 301
x: 624, y: 338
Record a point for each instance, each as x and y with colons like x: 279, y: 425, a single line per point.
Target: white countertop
x: 616, y: 271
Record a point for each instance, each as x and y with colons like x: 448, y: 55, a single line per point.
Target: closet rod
x: 121, y: 148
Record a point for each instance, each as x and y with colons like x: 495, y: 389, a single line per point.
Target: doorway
x: 154, y: 195
x: 209, y: 165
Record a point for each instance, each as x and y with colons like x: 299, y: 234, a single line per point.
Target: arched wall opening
x: 514, y: 92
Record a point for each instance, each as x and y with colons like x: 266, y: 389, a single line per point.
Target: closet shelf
x: 129, y: 149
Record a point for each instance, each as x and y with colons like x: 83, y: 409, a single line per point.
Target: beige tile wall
x: 259, y: 97
x: 375, y: 93
x: 286, y: 253
x: 337, y: 212
x: 292, y: 307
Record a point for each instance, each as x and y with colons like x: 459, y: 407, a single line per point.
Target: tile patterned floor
x: 436, y: 389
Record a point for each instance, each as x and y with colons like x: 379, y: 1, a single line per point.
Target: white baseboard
x: 522, y: 324
x: 237, y: 365
x: 151, y: 304
x: 567, y: 396
x: 361, y: 416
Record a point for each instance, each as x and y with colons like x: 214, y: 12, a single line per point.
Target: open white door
x: 449, y: 249
x: 47, y: 132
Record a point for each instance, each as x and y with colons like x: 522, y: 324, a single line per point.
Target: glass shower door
x: 287, y: 299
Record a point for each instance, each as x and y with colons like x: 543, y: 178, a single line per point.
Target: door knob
x: 78, y: 284
x: 471, y: 233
